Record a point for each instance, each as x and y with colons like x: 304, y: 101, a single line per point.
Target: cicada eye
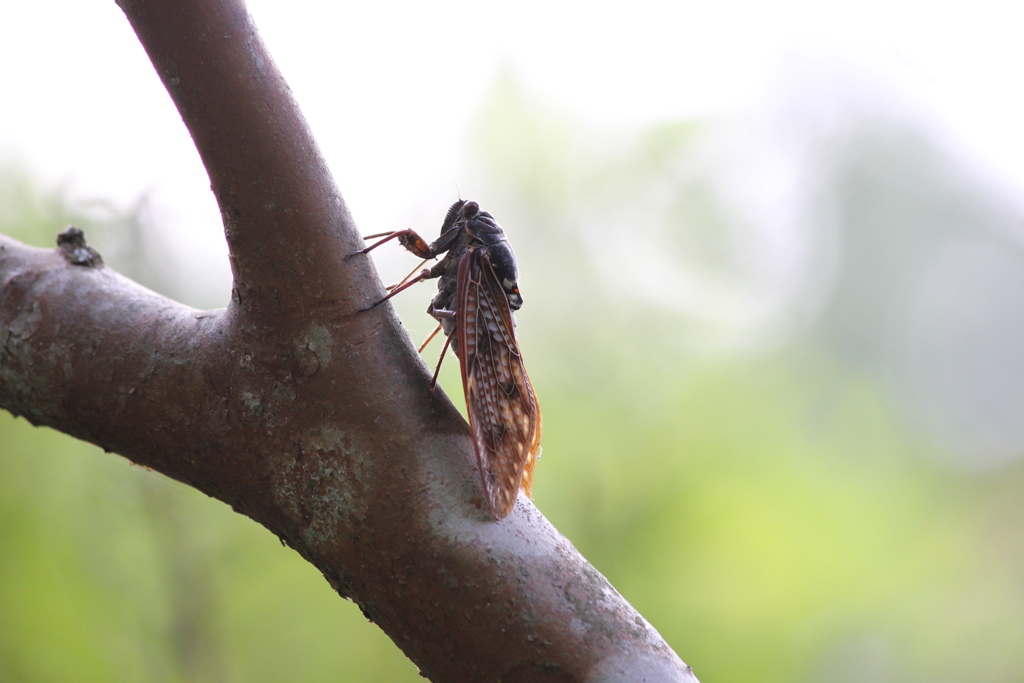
x: 470, y: 209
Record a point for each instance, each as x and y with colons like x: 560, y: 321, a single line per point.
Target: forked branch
x: 313, y: 420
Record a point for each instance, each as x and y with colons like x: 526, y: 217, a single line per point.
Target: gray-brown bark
x: 312, y: 419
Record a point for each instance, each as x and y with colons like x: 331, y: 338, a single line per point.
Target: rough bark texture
x: 312, y: 419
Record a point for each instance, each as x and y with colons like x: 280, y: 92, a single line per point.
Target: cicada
x: 477, y: 292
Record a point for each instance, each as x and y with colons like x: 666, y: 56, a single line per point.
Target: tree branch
x: 284, y: 218
x: 311, y: 418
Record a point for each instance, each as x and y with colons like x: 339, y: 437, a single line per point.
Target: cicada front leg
x: 424, y: 274
x: 410, y: 239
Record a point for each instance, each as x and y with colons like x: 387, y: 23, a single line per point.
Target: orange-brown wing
x: 504, y: 415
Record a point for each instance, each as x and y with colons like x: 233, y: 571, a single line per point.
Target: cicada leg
x: 410, y: 239
x: 388, y: 237
x: 411, y: 273
x: 433, y: 380
x: 423, y: 275
x: 429, y: 339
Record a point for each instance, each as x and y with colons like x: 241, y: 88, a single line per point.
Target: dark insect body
x: 477, y: 292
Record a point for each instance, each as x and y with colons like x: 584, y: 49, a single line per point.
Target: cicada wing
x: 531, y: 461
x: 504, y: 416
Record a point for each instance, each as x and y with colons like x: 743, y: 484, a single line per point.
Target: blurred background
x: 773, y: 264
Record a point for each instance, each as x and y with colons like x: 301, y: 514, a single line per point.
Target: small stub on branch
x: 75, y: 250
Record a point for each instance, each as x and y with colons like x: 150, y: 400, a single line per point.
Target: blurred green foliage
x: 765, y: 511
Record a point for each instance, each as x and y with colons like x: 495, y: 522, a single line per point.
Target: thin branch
x: 285, y: 220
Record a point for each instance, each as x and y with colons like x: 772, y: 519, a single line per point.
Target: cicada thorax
x: 506, y: 270
x: 468, y: 229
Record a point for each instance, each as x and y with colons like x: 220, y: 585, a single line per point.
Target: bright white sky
x: 388, y: 87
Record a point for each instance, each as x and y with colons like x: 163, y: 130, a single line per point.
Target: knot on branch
x: 75, y: 250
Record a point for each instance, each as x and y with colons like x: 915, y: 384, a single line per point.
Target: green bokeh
x: 766, y: 511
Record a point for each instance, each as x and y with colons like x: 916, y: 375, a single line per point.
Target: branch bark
x: 308, y: 417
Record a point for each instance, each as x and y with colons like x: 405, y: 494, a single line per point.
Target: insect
x: 477, y: 292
